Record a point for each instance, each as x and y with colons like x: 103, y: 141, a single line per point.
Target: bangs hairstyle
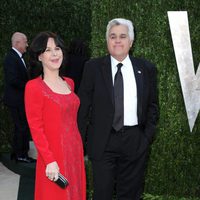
x: 37, y: 47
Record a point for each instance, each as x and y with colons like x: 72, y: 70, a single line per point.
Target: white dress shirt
x: 130, y: 90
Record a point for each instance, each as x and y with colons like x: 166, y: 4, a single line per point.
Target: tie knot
x: 119, y: 65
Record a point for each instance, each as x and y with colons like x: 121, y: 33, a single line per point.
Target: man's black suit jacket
x: 15, y: 79
x: 96, y: 111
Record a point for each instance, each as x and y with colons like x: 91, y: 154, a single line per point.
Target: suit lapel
x: 22, y: 66
x: 139, y: 84
x: 107, y: 75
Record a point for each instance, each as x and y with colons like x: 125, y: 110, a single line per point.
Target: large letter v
x: 190, y: 82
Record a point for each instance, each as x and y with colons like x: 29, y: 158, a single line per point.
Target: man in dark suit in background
x: 15, y: 72
x: 118, y: 115
x: 77, y: 56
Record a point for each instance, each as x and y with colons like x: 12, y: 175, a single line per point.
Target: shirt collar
x: 19, y: 53
x: 125, y: 62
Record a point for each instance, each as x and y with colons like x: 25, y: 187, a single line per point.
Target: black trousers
x: 122, y: 166
x: 21, y: 135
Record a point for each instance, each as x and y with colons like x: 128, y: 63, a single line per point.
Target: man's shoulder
x: 98, y: 59
x: 142, y: 62
x: 95, y: 64
x: 11, y: 54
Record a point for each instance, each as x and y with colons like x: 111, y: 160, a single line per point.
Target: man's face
x: 22, y: 44
x: 118, y: 42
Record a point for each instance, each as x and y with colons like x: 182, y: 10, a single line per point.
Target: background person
x: 15, y: 72
x: 77, y: 56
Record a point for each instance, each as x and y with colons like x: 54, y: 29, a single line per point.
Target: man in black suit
x: 15, y: 79
x: 118, y: 115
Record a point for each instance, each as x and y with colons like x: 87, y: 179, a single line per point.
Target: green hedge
x: 157, y: 197
x: 175, y: 155
x: 174, y: 163
x: 69, y: 18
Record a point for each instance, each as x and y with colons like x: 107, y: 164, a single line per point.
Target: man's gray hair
x: 16, y: 37
x: 121, y: 21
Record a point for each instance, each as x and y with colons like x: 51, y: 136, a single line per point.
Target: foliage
x: 173, y: 168
x: 153, y: 197
x: 70, y: 19
x: 175, y: 154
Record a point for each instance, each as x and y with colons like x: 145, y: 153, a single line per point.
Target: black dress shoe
x: 25, y: 159
x: 32, y: 159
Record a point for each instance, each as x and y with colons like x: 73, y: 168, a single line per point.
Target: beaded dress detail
x: 52, y: 119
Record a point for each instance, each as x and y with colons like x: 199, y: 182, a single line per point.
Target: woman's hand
x: 52, y: 171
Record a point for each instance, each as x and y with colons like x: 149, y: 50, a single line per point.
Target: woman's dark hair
x: 38, y: 46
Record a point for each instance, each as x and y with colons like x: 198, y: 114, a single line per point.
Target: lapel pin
x: 139, y: 72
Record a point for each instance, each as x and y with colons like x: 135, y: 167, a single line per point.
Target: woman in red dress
x: 51, y: 109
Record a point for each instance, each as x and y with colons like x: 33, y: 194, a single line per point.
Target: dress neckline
x: 40, y: 78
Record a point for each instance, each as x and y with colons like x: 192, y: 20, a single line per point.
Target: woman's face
x: 52, y: 57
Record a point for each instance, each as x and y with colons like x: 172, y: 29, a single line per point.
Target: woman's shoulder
x: 34, y: 83
x: 70, y: 82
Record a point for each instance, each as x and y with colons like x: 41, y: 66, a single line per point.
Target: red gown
x: 52, y: 119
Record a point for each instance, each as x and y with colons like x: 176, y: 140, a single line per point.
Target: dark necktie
x: 118, y: 120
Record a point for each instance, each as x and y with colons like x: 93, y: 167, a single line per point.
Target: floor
x: 17, y: 179
x: 9, y: 184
